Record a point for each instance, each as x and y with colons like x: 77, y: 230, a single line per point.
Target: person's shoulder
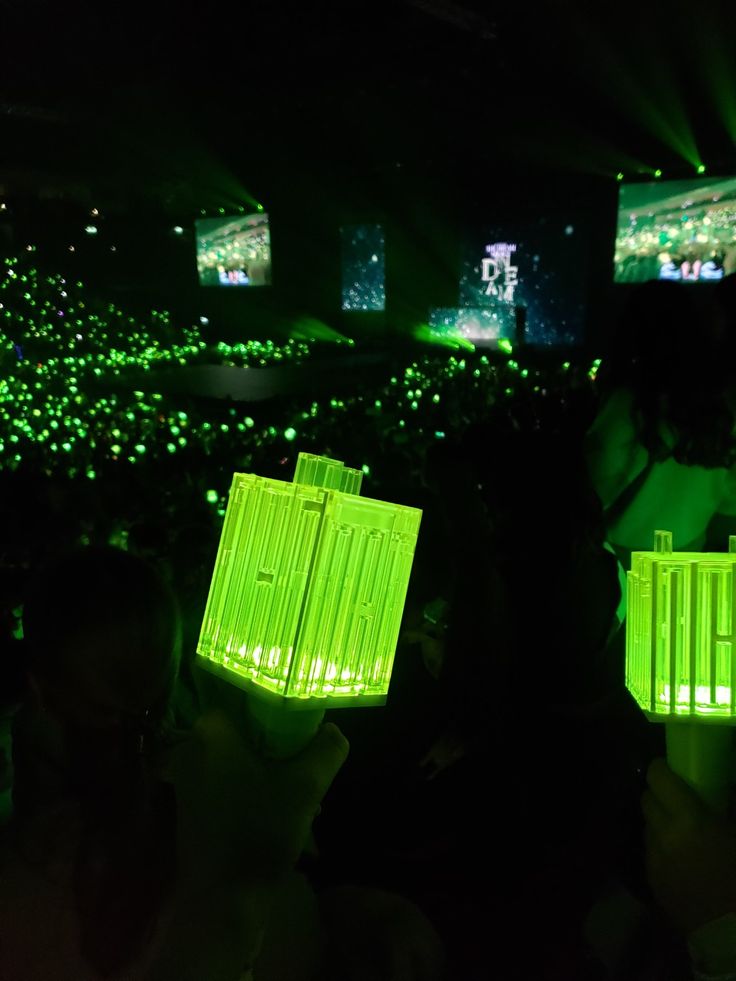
x: 727, y: 502
x: 615, y: 412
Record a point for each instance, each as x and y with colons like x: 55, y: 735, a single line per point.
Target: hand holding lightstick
x: 306, y: 598
x: 681, y: 658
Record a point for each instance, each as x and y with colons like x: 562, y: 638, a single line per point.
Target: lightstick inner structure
x: 681, y: 633
x: 309, y: 586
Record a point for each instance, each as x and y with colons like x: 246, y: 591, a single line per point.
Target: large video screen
x: 363, y: 267
x: 234, y: 251
x: 534, y: 271
x: 679, y: 230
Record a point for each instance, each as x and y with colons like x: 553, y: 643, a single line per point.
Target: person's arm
x: 713, y: 950
x: 614, y: 455
x: 241, y: 825
x: 214, y: 933
x: 691, y: 868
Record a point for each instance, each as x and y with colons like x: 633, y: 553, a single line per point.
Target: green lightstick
x: 306, y: 599
x: 681, y: 657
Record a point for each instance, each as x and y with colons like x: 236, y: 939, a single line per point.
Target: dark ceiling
x: 165, y: 95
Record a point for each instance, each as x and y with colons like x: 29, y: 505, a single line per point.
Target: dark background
x: 428, y: 115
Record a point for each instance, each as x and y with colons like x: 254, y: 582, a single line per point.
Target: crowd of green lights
x: 60, y: 348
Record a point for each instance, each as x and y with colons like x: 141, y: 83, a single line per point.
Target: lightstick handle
x: 279, y: 733
x: 702, y: 756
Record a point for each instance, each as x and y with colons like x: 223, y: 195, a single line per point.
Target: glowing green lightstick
x: 306, y: 598
x: 681, y: 657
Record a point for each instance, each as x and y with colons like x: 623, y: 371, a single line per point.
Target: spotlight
x: 221, y: 211
x: 259, y: 207
x: 657, y: 173
x: 91, y: 229
x: 178, y: 230
x: 701, y: 168
x: 619, y: 176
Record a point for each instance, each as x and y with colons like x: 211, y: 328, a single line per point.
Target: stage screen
x: 234, y: 251
x: 679, y: 230
x: 363, y: 249
x: 478, y: 325
x: 534, y: 270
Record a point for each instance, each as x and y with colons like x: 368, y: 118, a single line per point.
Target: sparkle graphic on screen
x: 363, y: 268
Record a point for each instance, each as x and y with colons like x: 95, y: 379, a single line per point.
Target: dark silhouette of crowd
x: 506, y: 815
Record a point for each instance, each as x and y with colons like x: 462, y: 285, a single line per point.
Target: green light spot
x: 701, y: 168
x: 290, y: 434
x: 212, y: 497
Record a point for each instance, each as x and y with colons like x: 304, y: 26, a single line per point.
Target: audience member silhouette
x: 662, y: 444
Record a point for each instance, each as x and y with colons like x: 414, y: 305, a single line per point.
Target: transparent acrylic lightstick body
x: 306, y: 599
x: 681, y: 657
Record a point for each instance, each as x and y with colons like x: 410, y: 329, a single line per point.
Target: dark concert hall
x: 286, y: 290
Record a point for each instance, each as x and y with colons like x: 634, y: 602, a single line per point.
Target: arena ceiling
x: 166, y: 96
